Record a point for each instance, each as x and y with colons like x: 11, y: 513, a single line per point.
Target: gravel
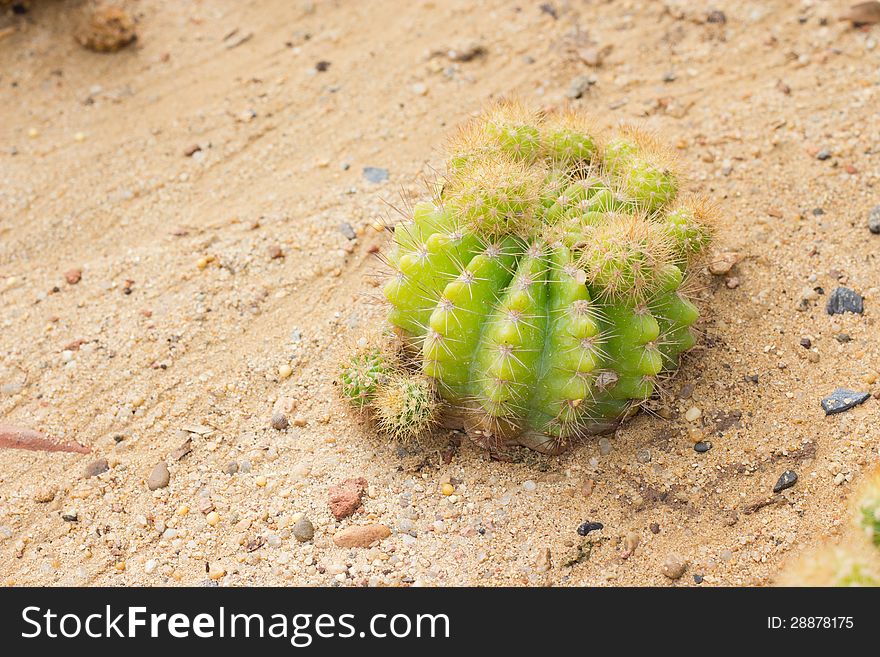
x: 844, y: 300
x: 159, y: 476
x: 842, y: 400
x: 874, y: 220
x: 786, y: 480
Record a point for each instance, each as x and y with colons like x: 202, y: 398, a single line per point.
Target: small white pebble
x: 693, y: 414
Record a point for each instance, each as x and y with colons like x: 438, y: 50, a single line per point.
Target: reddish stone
x: 345, y: 498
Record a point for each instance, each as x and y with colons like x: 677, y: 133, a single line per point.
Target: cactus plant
x: 868, y: 508
x: 856, y: 560
x: 541, y: 289
x: 360, y: 375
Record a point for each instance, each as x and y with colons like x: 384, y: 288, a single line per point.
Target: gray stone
x: 843, y: 300
x: 95, y: 468
x: 375, y: 175
x: 580, y: 86
x: 159, y: 476
x: 842, y: 400
x: 303, y: 530
x: 874, y: 220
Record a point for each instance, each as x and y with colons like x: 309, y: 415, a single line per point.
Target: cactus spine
x: 541, y: 288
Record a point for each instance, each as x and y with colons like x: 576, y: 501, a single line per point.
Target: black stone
x: 716, y: 16
x: 786, y: 480
x: 806, y: 343
x: 702, y: 447
x: 844, y: 300
x: 824, y: 154
x: 843, y: 338
x: 842, y: 400
x: 588, y: 527
x: 698, y: 579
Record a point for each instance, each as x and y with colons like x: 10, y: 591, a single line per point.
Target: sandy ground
x: 185, y: 315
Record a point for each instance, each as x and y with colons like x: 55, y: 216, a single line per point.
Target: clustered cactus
x: 540, y: 291
x: 856, y: 560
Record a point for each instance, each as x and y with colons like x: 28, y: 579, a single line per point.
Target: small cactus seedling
x: 541, y: 288
x: 405, y: 405
x: 361, y: 375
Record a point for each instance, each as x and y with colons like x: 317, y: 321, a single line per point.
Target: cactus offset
x: 541, y: 289
x: 360, y: 375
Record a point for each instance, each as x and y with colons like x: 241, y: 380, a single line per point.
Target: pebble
x: 824, y: 154
x: 150, y: 566
x: 720, y: 263
x: 303, y: 530
x: 786, y: 480
x: 420, y: 89
x: 159, y: 476
x: 579, y: 86
x: 375, y: 175
x: 212, y: 518
x: 44, y: 495
x: 279, y: 421
x: 654, y: 527
x: 698, y: 579
x: 874, y: 220
x: 842, y: 400
x: 674, y: 566
x: 345, y: 498
x: 95, y: 468
x: 347, y: 231
x: 284, y: 371
x: 231, y: 468
x: 361, y: 535
x: 643, y: 456
x: 529, y: 485
x: 544, y: 560
x: 216, y: 572
x: 588, y: 527
x: 70, y: 515
x: 604, y: 446
x: 73, y: 276
x: 447, y: 489
x: 693, y: 414
x: 703, y: 446
x: 844, y: 300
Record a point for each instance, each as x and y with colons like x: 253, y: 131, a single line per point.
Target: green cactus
x: 856, y: 560
x: 542, y: 287
x: 868, y: 508
x: 360, y: 375
x: 405, y: 405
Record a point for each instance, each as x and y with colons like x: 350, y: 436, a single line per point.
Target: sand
x: 198, y: 180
